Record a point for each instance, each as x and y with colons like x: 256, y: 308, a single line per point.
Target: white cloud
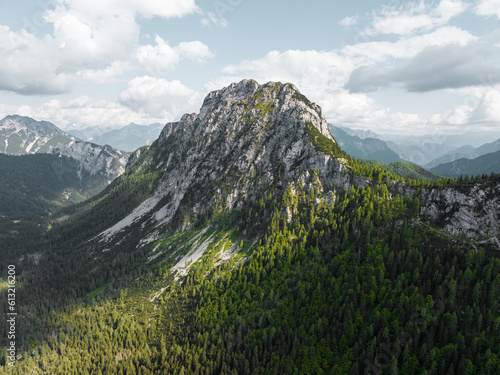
x: 348, y: 21
x: 488, y: 8
x: 91, y: 42
x: 163, y: 58
x: 321, y: 76
x: 146, y: 100
x: 195, y: 51
x: 150, y: 8
x: 160, y: 98
x: 434, y: 68
x: 27, y: 67
x: 405, y: 47
x: 487, y: 109
x: 213, y: 18
x: 82, y: 112
x: 413, y: 17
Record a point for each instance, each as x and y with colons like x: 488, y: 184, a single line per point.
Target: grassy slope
x: 404, y: 169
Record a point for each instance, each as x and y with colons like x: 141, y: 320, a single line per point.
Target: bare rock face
x: 22, y: 135
x: 249, y: 140
x: 473, y: 212
x: 246, y: 139
x: 96, y: 160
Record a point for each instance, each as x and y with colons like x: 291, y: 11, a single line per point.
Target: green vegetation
x: 404, y: 169
x: 350, y: 285
x: 32, y: 188
x: 97, y: 291
x: 297, y: 278
x: 323, y: 143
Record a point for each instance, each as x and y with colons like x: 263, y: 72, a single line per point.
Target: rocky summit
x: 245, y: 241
x: 249, y: 139
x: 246, y: 139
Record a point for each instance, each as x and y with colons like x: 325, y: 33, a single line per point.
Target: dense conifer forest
x: 299, y: 277
x: 352, y: 283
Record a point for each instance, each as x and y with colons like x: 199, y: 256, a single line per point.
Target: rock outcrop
x: 246, y: 138
x: 250, y: 139
x: 473, y: 211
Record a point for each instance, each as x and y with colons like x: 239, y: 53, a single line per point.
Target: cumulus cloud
x: 82, y: 112
x: 434, y: 68
x: 340, y: 81
x: 90, y: 41
x: 163, y: 58
x: 159, y: 97
x: 414, y: 17
x: 348, y: 21
x: 146, y: 100
x: 211, y: 18
x: 150, y: 8
x: 488, y: 8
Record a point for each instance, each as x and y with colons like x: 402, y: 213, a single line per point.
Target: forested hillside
x: 245, y: 241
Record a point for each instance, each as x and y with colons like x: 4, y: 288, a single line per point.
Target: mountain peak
x: 247, y: 99
x: 247, y: 139
x: 21, y: 135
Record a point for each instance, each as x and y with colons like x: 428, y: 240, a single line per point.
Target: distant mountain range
x: 23, y: 135
x: 467, y: 152
x: 128, y: 138
x: 364, y: 148
x: 439, y: 155
x: 69, y: 171
x: 484, y: 164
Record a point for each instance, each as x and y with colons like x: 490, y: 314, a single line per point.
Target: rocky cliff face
x: 97, y: 160
x: 23, y: 136
x: 473, y: 211
x: 246, y: 140
x: 249, y: 140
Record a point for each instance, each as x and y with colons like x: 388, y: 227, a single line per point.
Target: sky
x: 392, y: 67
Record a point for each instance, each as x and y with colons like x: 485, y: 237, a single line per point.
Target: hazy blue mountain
x: 366, y: 148
x: 467, y: 152
x: 489, y: 148
x: 21, y: 135
x: 405, y: 169
x: 127, y: 138
x: 424, y: 150
x: 484, y: 164
x: 359, y: 132
x: 246, y: 241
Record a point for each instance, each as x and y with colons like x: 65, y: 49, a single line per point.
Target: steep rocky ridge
x: 23, y: 135
x: 250, y: 140
x: 472, y: 211
x: 246, y: 141
x: 105, y: 161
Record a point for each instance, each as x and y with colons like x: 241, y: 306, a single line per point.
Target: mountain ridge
x: 20, y: 135
x: 367, y: 147
x: 243, y: 130
x: 127, y: 138
x: 37, y: 137
x: 244, y: 240
x: 484, y: 164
